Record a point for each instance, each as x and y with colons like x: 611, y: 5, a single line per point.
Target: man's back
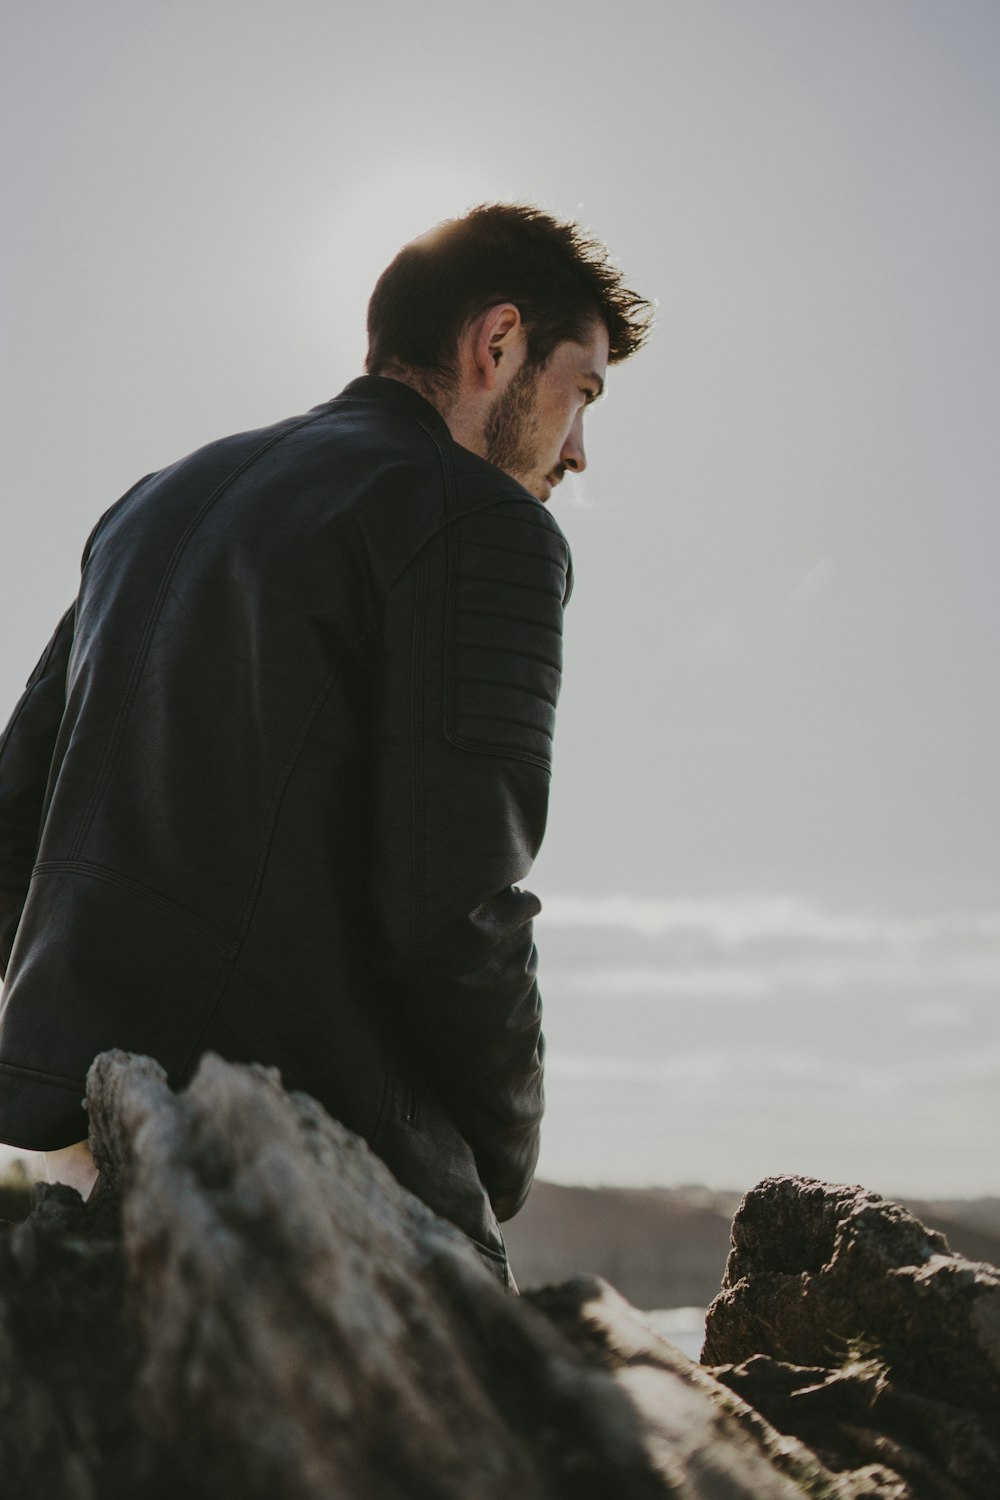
x: 271, y: 788
x: 302, y: 760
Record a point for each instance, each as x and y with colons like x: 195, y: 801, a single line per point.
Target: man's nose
x: 573, y: 455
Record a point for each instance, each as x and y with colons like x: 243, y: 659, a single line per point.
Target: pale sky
x: 781, y: 685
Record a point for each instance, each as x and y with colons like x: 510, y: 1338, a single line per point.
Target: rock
x: 250, y: 1304
x: 848, y: 1324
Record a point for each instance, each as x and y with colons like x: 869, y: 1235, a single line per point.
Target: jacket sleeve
x: 469, y: 678
x: 25, y: 759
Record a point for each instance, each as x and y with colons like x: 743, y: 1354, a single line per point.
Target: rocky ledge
x: 250, y: 1304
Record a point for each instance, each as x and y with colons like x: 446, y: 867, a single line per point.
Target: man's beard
x: 511, y: 425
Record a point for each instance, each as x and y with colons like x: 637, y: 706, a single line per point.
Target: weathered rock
x: 294, y: 1324
x: 250, y: 1304
x: 850, y: 1325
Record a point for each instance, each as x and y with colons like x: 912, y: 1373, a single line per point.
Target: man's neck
x: 465, y: 420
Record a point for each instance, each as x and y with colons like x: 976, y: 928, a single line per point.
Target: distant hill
x: 667, y: 1247
x: 971, y: 1226
x: 661, y: 1247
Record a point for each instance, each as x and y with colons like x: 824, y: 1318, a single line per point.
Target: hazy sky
x: 781, y: 687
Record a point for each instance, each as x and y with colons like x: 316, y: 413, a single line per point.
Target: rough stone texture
x: 850, y: 1325
x: 251, y: 1305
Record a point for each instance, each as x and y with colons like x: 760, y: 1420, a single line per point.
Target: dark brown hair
x: 557, y: 277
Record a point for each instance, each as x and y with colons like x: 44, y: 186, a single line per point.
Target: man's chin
x: 541, y: 488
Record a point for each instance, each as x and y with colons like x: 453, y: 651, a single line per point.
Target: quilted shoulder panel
x: 508, y: 578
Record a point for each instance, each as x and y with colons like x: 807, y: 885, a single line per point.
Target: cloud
x: 740, y: 1072
x: 742, y: 919
x: 730, y: 1037
x: 780, y: 975
x: 754, y: 1073
x: 777, y: 949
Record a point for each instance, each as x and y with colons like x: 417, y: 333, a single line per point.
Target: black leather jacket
x: 271, y: 788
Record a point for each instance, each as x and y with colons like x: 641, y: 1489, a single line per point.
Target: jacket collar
x: 382, y: 389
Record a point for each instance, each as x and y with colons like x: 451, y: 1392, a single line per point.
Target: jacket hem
x: 35, y: 1075
x: 25, y: 1090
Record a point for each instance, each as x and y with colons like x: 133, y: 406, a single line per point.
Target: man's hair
x: 558, y: 278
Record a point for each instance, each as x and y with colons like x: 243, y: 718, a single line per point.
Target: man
x: 271, y: 787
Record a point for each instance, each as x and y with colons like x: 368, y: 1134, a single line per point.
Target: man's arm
x: 25, y: 759
x: 470, y: 674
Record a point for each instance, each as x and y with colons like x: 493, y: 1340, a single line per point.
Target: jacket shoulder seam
x: 475, y: 508
x: 487, y: 743
x: 35, y: 680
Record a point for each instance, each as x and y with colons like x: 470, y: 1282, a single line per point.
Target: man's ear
x: 497, y: 337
